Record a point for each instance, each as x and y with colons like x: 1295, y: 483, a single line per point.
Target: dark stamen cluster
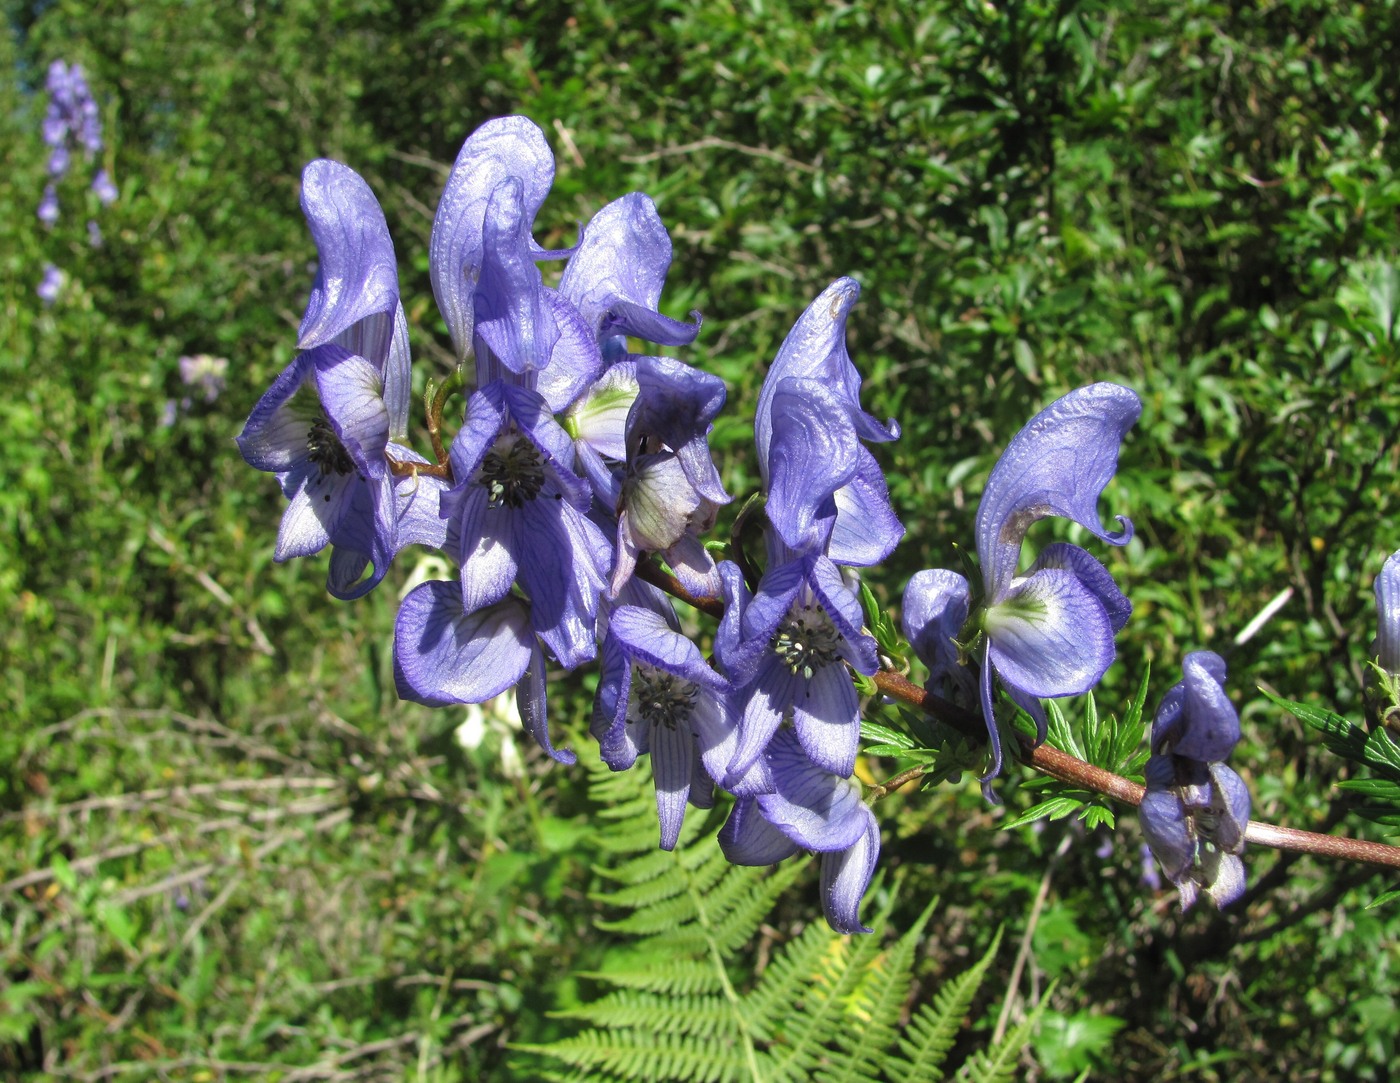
x: 511, y: 472
x: 326, y: 451
x: 806, y: 641
x: 659, y: 697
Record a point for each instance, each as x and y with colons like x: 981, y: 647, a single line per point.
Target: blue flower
x: 1047, y: 633
x: 325, y: 425
x: 444, y: 653
x: 614, y: 278
x: 807, y: 428
x: 807, y: 808
x: 657, y: 695
x: 1387, y: 649
x: 1196, y: 810
x: 518, y: 513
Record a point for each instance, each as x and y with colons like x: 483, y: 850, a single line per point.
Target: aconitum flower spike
x: 865, y: 529
x: 1196, y: 810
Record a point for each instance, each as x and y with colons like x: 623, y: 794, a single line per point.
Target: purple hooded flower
x: 103, y: 188
x: 669, y: 491
x: 614, y: 278
x: 807, y: 808
x: 445, y: 653
x: 518, y: 513
x: 1196, y: 810
x: 807, y: 428
x: 657, y: 695
x: 325, y: 425
x: 1047, y: 633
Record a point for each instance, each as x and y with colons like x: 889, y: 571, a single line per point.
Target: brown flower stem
x: 1061, y: 765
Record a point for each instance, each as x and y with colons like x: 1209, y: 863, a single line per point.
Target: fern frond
x: 646, y: 1055
x: 934, y: 1027
x: 877, y: 1004
x: 797, y: 965
x: 1001, y: 1063
x: 697, y: 1016
x: 645, y: 971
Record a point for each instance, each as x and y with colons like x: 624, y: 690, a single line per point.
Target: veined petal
x: 934, y: 611
x: 559, y: 553
x: 1231, y: 806
x: 598, y: 418
x: 676, y: 404
x: 1058, y: 464
x: 845, y: 876
x: 501, y: 148
x: 765, y: 701
x: 826, y: 719
x: 487, y: 559
x: 749, y: 839
x: 867, y: 529
x: 1092, y: 574
x: 398, y: 377
x: 615, y: 276
x: 443, y: 654
x: 1050, y: 636
x: 672, y: 762
x: 351, y: 391
x: 648, y: 637
x: 815, y: 349
x: 274, y: 438
x: 1223, y: 874
x: 317, y: 505
x: 530, y: 698
x: 1388, y: 615
x: 574, y: 361
x: 357, y: 277
x: 813, y: 451
x: 816, y: 809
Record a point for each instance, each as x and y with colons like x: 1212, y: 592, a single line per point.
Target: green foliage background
x: 227, y: 851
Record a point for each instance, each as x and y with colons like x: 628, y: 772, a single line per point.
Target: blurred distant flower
x: 103, y: 187
x: 1149, y: 876
x: 205, y: 373
x: 94, y: 234
x: 48, y: 205
x: 50, y: 284
x: 59, y: 160
x: 1196, y: 809
x: 169, y: 414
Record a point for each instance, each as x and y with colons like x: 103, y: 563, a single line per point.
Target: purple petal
x: 615, y: 276
x: 815, y: 349
x: 1050, y: 636
x: 676, y: 404
x: 530, y: 698
x: 672, y: 762
x: 398, y: 377
x: 512, y: 315
x: 749, y: 839
x: 1196, y: 716
x: 1092, y: 574
x: 1164, y: 823
x: 768, y: 697
x: 648, y: 637
x: 816, y: 809
x: 845, y: 876
x: 826, y: 718
x: 357, y: 278
x: 275, y: 436
x: 1058, y: 464
x: 1388, y: 615
x: 563, y: 561
x: 1224, y: 877
x: 487, y: 560
x: 574, y: 362
x: 443, y: 654
x: 501, y: 148
x: 813, y: 451
x: 1231, y: 805
x: 867, y: 529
